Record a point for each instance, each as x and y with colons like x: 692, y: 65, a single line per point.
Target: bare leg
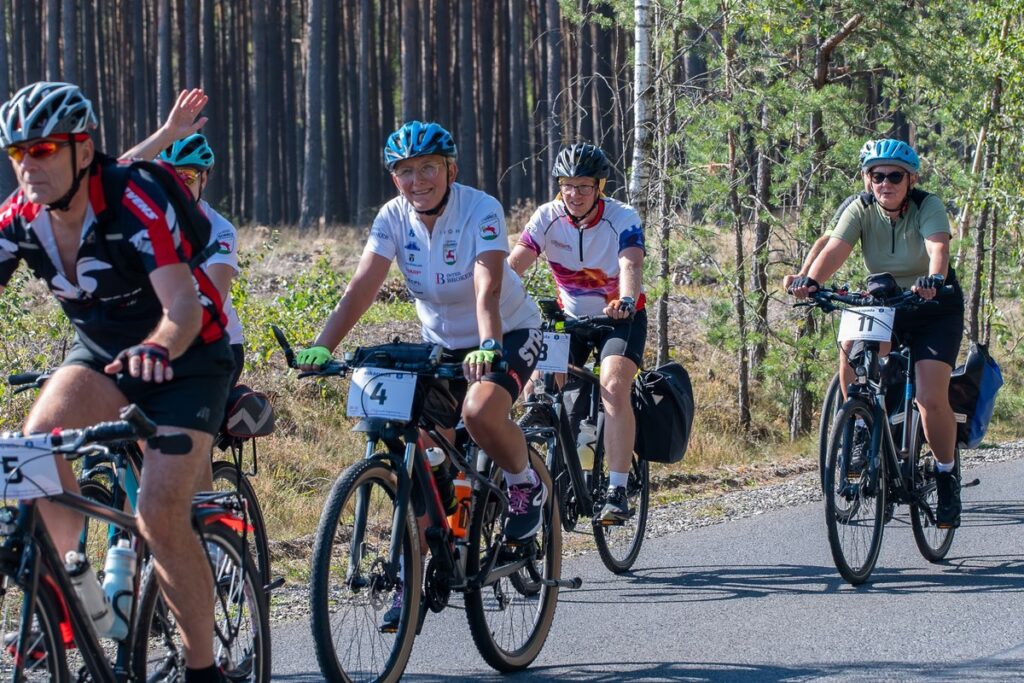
x: 936, y: 413
x: 486, y: 414
x: 617, y: 374
x: 181, y: 566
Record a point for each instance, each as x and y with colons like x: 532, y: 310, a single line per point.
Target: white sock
x: 859, y: 422
x: 944, y: 466
x: 520, y: 478
x: 617, y: 479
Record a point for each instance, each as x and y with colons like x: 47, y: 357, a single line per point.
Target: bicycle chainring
x: 436, y: 590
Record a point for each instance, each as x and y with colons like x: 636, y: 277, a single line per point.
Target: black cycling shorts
x: 934, y: 331
x: 194, y: 399
x: 520, y: 351
x: 628, y: 338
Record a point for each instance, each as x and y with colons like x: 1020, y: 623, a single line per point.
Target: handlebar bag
x: 972, y: 393
x: 663, y: 405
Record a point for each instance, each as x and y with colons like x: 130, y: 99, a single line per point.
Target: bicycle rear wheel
x: 853, y: 505
x: 350, y: 591
x: 933, y: 542
x: 241, y: 645
x: 619, y: 544
x: 45, y: 660
x: 509, y: 625
x: 829, y: 409
x: 225, y: 478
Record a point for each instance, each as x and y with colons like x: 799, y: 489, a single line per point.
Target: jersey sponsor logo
x: 413, y: 271
x: 530, y: 351
x: 412, y: 246
x: 488, y: 232
x: 412, y: 257
x: 452, y: 278
x: 561, y: 245
x: 86, y: 266
x: 381, y: 235
x: 223, y: 247
x: 412, y: 233
x: 449, y: 252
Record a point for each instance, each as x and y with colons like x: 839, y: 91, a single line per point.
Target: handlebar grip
x: 23, y: 378
x: 110, y: 431
x: 142, y: 425
x: 289, y: 355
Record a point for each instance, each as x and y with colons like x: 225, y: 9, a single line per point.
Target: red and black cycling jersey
x: 110, y: 301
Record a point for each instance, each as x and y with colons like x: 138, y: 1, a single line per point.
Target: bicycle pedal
x: 274, y: 585
x: 974, y: 482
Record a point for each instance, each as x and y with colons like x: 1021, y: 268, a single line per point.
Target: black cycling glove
x: 154, y: 352
x: 803, y: 281
x: 930, y: 282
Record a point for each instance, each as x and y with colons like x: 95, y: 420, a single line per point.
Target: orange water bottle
x: 459, y: 520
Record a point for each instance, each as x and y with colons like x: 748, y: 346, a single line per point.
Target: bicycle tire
x: 359, y: 628
x: 853, y: 509
x: 227, y: 472
x: 829, y: 409
x: 494, y: 638
x: 242, y: 650
x: 95, y: 532
x: 553, y: 451
x: 619, y: 545
x: 932, y: 542
x: 50, y: 663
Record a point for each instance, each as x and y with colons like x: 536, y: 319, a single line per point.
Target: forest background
x: 733, y: 126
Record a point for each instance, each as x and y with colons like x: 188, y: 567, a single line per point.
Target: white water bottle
x: 119, y: 586
x: 586, y: 443
x: 87, y: 586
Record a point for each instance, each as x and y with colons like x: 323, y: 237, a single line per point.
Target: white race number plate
x: 29, y: 468
x: 554, y: 353
x: 377, y: 392
x: 867, y: 324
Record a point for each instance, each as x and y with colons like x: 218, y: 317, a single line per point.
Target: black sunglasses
x: 896, y: 177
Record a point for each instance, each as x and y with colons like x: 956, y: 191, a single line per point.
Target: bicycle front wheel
x: 933, y: 542
x: 363, y: 621
x: 241, y: 639
x: 226, y: 478
x: 619, y: 544
x: 510, y: 616
x: 45, y: 652
x: 854, y: 499
x: 829, y: 409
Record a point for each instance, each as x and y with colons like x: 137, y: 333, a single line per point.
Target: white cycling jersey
x: 438, y: 266
x: 223, y: 233
x: 585, y: 260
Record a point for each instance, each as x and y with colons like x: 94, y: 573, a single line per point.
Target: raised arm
x: 181, y: 121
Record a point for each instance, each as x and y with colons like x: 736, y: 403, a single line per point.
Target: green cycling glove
x: 314, y: 355
x: 480, y: 356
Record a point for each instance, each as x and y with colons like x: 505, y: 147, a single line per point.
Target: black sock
x: 210, y: 674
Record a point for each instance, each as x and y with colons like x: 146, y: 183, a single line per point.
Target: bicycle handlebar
x: 826, y: 299
x: 134, y: 424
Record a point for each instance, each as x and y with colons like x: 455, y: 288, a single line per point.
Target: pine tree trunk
x: 554, y: 83
x: 467, y: 98
x: 70, y: 40
x: 762, y: 233
x: 312, y: 185
x: 165, y: 27
x: 192, y: 54
x: 410, y: 61
x: 364, y: 178
x: 53, y: 40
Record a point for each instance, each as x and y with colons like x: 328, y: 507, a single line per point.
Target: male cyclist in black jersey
x: 148, y: 330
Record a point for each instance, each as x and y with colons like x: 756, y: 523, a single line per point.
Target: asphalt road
x: 759, y: 599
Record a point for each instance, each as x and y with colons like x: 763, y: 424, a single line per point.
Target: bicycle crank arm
x: 971, y: 483
x: 563, y: 583
x: 274, y: 585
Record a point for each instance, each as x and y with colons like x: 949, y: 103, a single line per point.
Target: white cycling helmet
x: 45, y: 108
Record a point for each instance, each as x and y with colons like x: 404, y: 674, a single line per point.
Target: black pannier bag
x: 663, y: 404
x: 972, y: 394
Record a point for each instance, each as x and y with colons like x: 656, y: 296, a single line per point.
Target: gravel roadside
x: 292, y: 600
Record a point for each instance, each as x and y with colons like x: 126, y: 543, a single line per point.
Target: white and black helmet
x: 45, y: 108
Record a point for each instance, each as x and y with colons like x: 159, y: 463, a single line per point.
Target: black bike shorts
x: 194, y: 399
x: 520, y: 351
x: 934, y: 332
x: 628, y: 338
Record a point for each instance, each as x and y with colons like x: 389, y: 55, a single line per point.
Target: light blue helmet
x: 892, y: 153
x: 418, y: 139
x: 193, y: 150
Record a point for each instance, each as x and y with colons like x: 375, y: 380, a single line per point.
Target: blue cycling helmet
x: 418, y: 139
x: 892, y: 153
x: 193, y: 150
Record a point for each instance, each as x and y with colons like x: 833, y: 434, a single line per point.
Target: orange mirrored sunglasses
x: 187, y: 175
x: 37, y: 150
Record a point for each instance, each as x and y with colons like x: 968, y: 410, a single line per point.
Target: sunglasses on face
x: 896, y: 177
x: 427, y: 171
x: 38, y: 150
x: 581, y: 190
x: 187, y: 175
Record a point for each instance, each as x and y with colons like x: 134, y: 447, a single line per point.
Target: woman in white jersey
x: 177, y: 143
x: 450, y: 243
